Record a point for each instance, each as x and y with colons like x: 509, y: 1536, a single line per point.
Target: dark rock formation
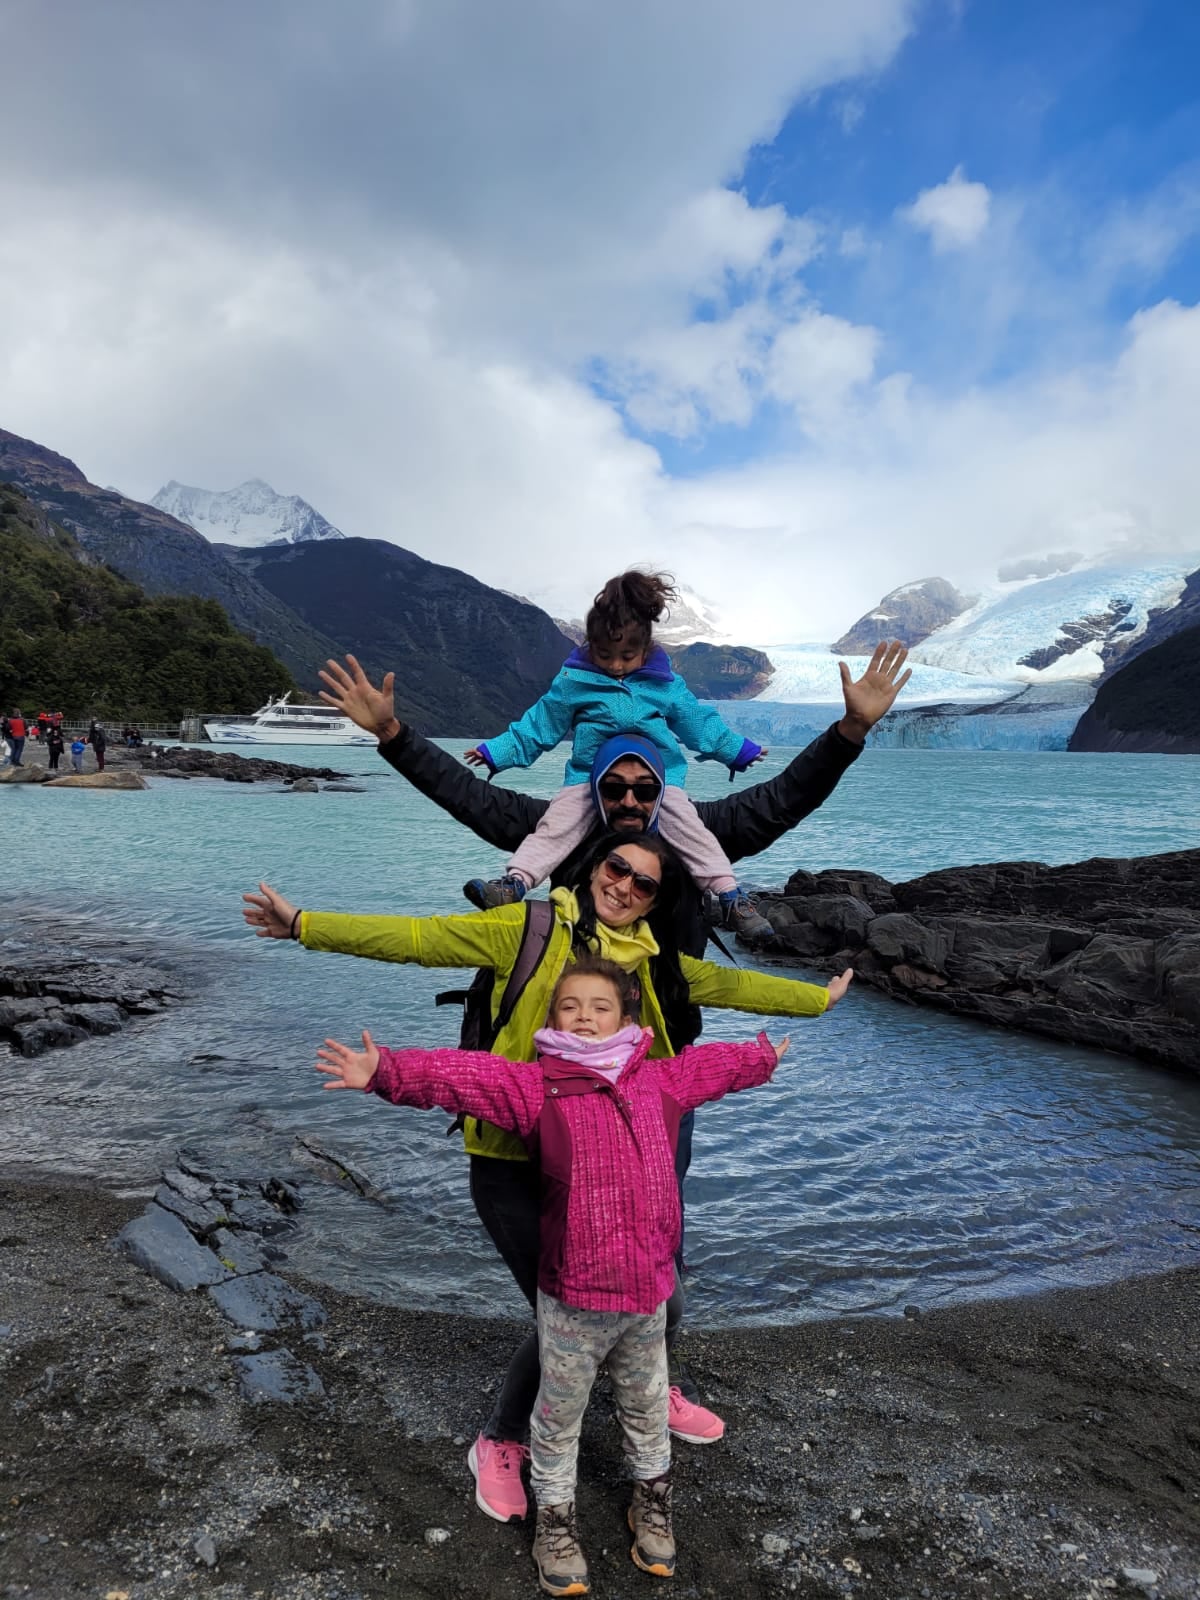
x: 1101, y: 952
x: 1152, y: 704
x: 468, y: 659
x: 160, y: 554
x: 48, y: 1001
x: 191, y: 761
x: 208, y: 1229
x: 722, y: 671
x: 1080, y: 631
x: 910, y: 613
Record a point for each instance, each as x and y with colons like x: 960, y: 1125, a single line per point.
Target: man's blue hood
x: 617, y: 749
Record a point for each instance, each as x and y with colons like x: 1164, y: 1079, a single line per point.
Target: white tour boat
x: 280, y: 722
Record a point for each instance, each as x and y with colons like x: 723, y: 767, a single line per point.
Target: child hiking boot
x: 653, y: 1548
x: 740, y: 917
x: 557, y: 1551
x: 487, y: 893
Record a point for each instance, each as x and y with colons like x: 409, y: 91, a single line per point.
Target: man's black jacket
x: 743, y: 823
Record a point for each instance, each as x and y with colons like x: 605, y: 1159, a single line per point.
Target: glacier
x: 808, y: 674
x: 250, y: 515
x: 1026, y: 717
x: 996, y: 636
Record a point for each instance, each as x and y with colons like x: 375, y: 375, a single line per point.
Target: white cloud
x: 396, y: 311
x: 954, y: 214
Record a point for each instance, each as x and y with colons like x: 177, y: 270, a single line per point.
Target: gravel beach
x: 1024, y: 1447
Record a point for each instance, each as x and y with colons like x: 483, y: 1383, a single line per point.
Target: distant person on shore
x: 603, y: 1116
x: 15, y: 734
x: 78, y: 746
x: 54, y: 746
x: 98, y: 740
x: 620, y: 681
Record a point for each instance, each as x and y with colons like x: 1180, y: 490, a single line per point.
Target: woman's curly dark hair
x: 665, y: 917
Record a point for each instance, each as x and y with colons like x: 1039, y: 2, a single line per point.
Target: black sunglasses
x: 644, y: 886
x: 645, y: 790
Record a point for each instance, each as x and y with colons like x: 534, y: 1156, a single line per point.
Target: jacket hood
x: 617, y: 749
x: 656, y: 665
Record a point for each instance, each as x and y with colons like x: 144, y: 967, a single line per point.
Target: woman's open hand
x: 475, y: 758
x: 838, y: 986
x: 269, y: 914
x: 346, y: 1068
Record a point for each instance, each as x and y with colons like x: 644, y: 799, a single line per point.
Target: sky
x: 798, y: 301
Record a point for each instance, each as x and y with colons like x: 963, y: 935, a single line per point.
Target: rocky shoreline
x: 127, y: 769
x: 1104, y: 953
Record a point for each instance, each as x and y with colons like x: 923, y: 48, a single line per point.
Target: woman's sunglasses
x: 642, y: 885
x: 645, y: 791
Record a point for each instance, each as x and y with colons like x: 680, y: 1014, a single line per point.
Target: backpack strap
x: 535, y: 941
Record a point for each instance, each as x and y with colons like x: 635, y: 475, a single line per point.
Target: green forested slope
x: 76, y: 638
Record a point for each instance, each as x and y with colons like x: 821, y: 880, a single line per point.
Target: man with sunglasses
x: 627, y: 782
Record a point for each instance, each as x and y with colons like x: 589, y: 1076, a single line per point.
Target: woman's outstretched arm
x: 736, y: 989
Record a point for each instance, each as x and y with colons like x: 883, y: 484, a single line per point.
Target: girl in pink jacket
x: 601, y: 1118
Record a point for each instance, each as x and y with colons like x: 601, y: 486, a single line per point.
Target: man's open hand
x: 872, y: 696
x: 356, y: 697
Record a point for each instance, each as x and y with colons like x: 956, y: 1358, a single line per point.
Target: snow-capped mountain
x: 910, y: 613
x: 250, y: 515
x: 1057, y: 628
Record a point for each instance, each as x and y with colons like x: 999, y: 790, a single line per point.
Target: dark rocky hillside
x: 159, y: 554
x: 467, y: 659
x: 1150, y: 704
x: 722, y: 671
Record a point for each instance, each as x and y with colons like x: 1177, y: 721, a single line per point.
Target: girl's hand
x: 346, y: 1068
x: 838, y: 986
x: 475, y: 757
x: 781, y: 1049
x: 268, y: 913
x: 761, y: 756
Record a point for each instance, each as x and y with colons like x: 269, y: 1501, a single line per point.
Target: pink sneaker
x: 692, y: 1423
x: 496, y: 1465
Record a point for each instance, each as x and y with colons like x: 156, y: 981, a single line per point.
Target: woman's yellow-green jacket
x: 492, y: 938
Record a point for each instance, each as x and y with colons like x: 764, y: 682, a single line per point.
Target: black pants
x: 507, y: 1199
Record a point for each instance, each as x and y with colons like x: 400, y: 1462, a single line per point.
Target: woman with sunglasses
x: 622, y: 906
x: 620, y: 681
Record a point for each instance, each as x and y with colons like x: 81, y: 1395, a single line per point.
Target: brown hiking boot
x: 653, y: 1546
x: 557, y: 1551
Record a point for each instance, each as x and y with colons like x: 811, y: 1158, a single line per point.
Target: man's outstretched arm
x: 499, y: 816
x: 749, y: 822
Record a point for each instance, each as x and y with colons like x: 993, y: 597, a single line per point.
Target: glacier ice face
x: 250, y: 515
x: 1070, y: 618
x: 1035, y: 717
x: 808, y: 674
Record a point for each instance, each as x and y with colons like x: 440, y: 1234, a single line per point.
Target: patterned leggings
x: 573, y: 1344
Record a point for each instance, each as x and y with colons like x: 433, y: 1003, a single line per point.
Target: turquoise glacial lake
x: 899, y: 1158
